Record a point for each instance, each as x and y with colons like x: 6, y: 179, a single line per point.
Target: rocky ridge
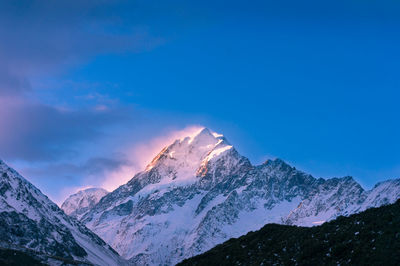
x: 29, y: 220
x: 199, y: 191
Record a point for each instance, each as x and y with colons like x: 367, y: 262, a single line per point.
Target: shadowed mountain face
x: 79, y: 203
x: 371, y: 237
x: 199, y: 191
x: 29, y: 220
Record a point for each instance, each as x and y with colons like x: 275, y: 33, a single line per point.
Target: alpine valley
x: 196, y: 193
x: 199, y: 192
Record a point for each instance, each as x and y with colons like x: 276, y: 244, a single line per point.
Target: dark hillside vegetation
x: 15, y: 257
x: 371, y: 237
x: 20, y: 256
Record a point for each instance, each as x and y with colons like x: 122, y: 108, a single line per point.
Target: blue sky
x: 86, y: 87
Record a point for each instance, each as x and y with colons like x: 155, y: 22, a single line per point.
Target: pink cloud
x: 142, y: 154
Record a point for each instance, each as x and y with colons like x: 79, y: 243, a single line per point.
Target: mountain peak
x: 7, y: 169
x: 276, y: 163
x: 190, y: 150
x: 78, y: 203
x: 203, y: 136
x: 204, y: 131
x: 180, y: 161
x: 199, y: 191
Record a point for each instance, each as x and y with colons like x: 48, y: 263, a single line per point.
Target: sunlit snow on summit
x: 141, y: 155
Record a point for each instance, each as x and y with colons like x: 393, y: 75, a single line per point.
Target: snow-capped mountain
x: 79, y: 203
x: 199, y: 191
x: 28, y: 219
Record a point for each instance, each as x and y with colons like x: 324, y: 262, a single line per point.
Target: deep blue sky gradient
x: 316, y: 83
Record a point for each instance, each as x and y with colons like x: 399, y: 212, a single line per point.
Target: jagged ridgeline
x: 371, y: 237
x: 199, y: 192
x: 196, y: 193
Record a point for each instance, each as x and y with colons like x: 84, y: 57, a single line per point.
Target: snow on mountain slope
x: 383, y: 193
x: 29, y: 219
x: 199, y: 191
x: 79, y: 203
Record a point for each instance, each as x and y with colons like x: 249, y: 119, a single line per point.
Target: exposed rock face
x: 28, y: 219
x: 199, y: 191
x: 79, y: 203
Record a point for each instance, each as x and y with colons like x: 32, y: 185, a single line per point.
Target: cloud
x: 116, y: 170
x: 11, y: 84
x: 141, y: 154
x: 33, y: 132
x: 75, y: 176
x: 93, y: 167
x: 46, y: 38
x: 64, y: 134
x: 145, y: 152
x: 49, y: 33
x: 109, y: 168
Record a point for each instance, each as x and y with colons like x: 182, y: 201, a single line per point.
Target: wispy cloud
x: 141, y: 154
x: 118, y: 163
x: 77, y: 176
x: 65, y: 134
x: 33, y: 131
x: 46, y: 38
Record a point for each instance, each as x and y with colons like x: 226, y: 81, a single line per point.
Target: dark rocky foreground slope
x: 18, y: 256
x: 371, y: 237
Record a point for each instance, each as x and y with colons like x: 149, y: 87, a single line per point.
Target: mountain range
x: 199, y: 192
x: 195, y: 194
x: 79, y: 203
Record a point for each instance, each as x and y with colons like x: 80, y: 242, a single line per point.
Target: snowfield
x: 199, y: 191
